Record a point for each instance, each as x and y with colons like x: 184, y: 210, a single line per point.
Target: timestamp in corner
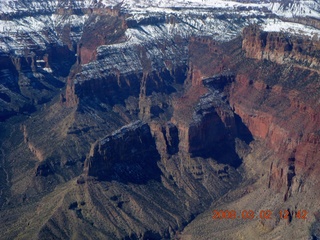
x: 262, y: 214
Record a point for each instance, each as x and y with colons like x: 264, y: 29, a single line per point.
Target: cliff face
x: 265, y: 103
x: 107, y: 29
x: 158, y: 173
x: 280, y: 112
x: 181, y: 158
x: 33, y: 79
x: 211, y: 129
x: 286, y: 127
x: 274, y: 94
x: 43, y: 41
x: 281, y: 47
x: 128, y: 155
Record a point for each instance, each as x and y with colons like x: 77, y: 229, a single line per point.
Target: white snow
x: 49, y: 70
x: 194, y: 17
x: 276, y: 25
x: 297, y: 9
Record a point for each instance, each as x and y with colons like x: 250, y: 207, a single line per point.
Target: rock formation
x: 128, y: 155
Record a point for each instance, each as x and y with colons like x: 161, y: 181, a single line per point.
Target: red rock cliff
x: 281, y: 47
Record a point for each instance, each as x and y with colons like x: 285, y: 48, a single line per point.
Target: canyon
x: 128, y: 121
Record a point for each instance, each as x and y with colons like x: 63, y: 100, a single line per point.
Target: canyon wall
x: 281, y: 47
x: 281, y: 105
x: 128, y: 155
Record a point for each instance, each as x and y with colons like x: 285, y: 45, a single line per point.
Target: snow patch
x: 49, y: 70
x: 276, y: 25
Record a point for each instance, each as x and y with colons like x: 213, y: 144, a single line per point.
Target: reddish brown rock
x: 281, y: 48
x: 71, y: 99
x: 108, y: 28
x: 286, y: 120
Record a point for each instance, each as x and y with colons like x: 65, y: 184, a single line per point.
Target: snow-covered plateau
x: 33, y: 24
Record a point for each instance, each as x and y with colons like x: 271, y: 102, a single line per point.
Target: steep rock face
x: 212, y: 128
x: 191, y: 175
x: 104, y: 87
x: 272, y: 99
x: 130, y: 158
x: 279, y: 112
x: 171, y: 135
x: 269, y: 99
x: 52, y: 30
x: 167, y: 138
x: 9, y: 90
x: 281, y: 47
x: 145, y: 73
x: 41, y: 42
x: 32, y: 79
x: 107, y: 29
x: 278, y: 102
x: 128, y: 155
x: 205, y: 121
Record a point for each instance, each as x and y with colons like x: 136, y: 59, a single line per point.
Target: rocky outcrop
x: 138, y: 161
x: 212, y: 131
x: 171, y: 136
x: 107, y: 29
x: 219, y: 82
x: 128, y: 155
x: 285, y: 118
x: 32, y: 79
x: 281, y: 47
x: 123, y: 70
x: 267, y: 96
x: 205, y: 121
x: 167, y: 138
x: 33, y: 149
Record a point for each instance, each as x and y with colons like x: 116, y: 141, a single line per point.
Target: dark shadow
x: 5, y: 114
x: 244, y: 133
x: 5, y: 97
x: 155, y: 111
x: 52, y: 81
x: 128, y: 156
x: 173, y: 142
x: 61, y: 59
x: 211, y: 139
x: 223, y: 152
